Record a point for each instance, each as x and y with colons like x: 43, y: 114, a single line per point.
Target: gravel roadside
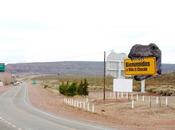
x: 53, y: 102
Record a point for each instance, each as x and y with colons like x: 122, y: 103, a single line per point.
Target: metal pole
x: 104, y: 75
x: 119, y: 69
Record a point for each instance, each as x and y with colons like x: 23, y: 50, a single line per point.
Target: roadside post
x: 166, y: 101
x: 132, y: 103
x: 157, y: 100
x: 143, y: 98
x: 142, y: 86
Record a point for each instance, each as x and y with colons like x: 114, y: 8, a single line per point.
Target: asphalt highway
x: 17, y: 113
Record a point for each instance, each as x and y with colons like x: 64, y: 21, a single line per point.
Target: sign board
x: 145, y: 66
x: 122, y: 85
x: 2, y: 67
x: 33, y: 81
x: 115, y: 64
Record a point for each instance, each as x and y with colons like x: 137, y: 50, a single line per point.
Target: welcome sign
x: 145, y: 66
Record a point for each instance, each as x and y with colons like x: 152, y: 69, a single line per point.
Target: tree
x: 72, y: 89
x: 63, y: 88
x: 85, y: 87
x: 80, y: 88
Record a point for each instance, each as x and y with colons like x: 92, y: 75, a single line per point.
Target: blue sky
x: 57, y: 30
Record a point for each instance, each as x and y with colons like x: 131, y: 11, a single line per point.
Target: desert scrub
x: 136, y: 88
x: 164, y: 90
x: 46, y: 85
x: 73, y: 88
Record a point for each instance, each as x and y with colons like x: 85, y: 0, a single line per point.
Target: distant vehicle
x: 1, y: 84
x: 16, y: 83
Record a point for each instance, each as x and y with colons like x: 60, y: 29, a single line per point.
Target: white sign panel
x: 122, y: 85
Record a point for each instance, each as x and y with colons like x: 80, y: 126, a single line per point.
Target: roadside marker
x: 72, y: 102
x: 157, y: 100
x: 88, y: 109
x: 143, y: 98
x: 137, y: 97
x: 93, y: 109
x: 127, y: 95
x: 166, y: 101
x: 132, y: 103
x: 80, y: 104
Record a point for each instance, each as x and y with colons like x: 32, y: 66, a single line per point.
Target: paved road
x: 16, y: 113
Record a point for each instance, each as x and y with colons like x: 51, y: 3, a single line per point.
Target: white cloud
x: 51, y: 30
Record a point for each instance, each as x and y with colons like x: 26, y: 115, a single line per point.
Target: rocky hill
x: 63, y: 68
x: 68, y: 68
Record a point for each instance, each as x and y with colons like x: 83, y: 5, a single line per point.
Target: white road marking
x: 14, y: 126
x: 4, y: 120
x: 27, y: 102
x: 9, y: 123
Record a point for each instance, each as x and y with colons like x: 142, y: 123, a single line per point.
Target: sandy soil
x: 117, y: 114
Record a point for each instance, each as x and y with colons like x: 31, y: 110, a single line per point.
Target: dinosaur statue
x: 141, y: 51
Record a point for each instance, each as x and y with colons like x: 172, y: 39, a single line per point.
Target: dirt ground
x: 112, y: 112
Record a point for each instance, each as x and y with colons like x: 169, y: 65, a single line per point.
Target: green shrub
x: 72, y: 89
x: 85, y: 88
x: 45, y: 86
x: 63, y: 88
x: 80, y: 88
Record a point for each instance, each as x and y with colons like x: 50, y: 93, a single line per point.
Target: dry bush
x: 164, y: 90
x: 136, y: 88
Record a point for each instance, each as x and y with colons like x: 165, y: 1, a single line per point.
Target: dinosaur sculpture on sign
x: 141, y: 51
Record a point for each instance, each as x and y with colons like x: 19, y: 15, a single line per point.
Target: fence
x: 153, y: 101
x: 138, y: 100
x: 130, y: 100
x: 83, y: 104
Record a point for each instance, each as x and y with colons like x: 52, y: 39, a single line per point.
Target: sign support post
x: 104, y: 82
x: 142, y: 86
x: 145, y: 66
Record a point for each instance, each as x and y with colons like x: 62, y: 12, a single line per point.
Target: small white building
x: 115, y: 64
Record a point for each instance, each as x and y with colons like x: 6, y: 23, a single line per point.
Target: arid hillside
x: 68, y: 68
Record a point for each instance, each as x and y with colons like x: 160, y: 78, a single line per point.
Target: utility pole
x: 104, y: 87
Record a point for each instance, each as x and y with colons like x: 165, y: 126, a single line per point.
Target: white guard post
x: 143, y: 86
